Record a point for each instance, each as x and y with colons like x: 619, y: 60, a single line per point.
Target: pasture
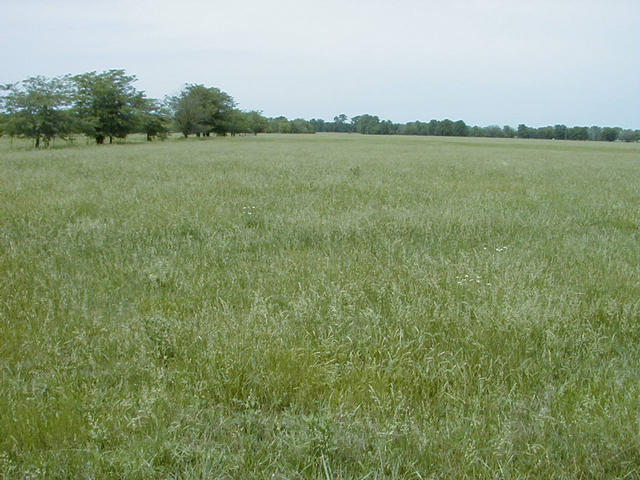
x: 325, y: 306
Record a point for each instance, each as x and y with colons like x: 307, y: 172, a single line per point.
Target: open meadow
x: 319, y: 306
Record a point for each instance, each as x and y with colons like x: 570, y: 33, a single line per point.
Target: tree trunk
x: 38, y: 141
x: 100, y: 139
x: 110, y: 139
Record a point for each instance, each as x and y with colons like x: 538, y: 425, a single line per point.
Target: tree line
x: 371, y: 124
x: 106, y: 105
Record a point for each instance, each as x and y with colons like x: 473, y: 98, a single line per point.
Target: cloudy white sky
x: 537, y: 62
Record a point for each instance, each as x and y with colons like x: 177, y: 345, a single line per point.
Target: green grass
x: 328, y: 306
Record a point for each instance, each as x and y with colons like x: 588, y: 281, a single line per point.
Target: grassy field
x: 322, y: 307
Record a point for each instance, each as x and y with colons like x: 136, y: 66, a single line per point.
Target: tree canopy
x: 153, y: 119
x: 38, y: 108
x: 107, y: 104
x: 203, y: 110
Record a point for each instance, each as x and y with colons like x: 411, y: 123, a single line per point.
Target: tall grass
x: 325, y: 306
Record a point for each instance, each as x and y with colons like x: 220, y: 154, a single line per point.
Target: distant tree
x: 202, y: 110
x: 595, y: 133
x: 524, y: 131
x: 508, y: 131
x: 319, y: 125
x: 545, y: 132
x: 256, y: 123
x: 38, y: 108
x: 341, y: 123
x: 414, y: 128
x: 233, y: 122
x: 357, y: 124
x: 493, y: 131
x: 342, y: 118
x: 459, y: 129
x: 284, y: 125
x: 609, y: 134
x: 366, y: 124
x: 221, y: 112
x: 153, y: 119
x: 560, y: 132
x: 434, y: 127
x: 107, y: 104
x: 387, y: 127
x: 300, y: 125
x: 446, y: 128
x: 279, y: 125
x: 578, y: 133
x: 476, y: 131
x: 188, y: 114
x: 629, y: 135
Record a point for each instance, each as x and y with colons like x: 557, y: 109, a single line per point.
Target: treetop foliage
x: 38, y: 108
x: 107, y: 104
x: 203, y: 110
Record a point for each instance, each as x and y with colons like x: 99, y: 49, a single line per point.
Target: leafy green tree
x: 595, y: 133
x: 153, y: 119
x: 412, y: 128
x: 628, y: 135
x: 492, y: 131
x: 508, y: 131
x: 221, y: 115
x: 609, y: 134
x: 476, y: 131
x: 560, y: 132
x: 578, y: 133
x: 545, y: 132
x: 459, y: 129
x: 434, y: 127
x: 341, y: 124
x: 366, y: 124
x: 319, y: 125
x: 234, y: 122
x: 300, y: 125
x: 203, y: 110
x: 38, y: 108
x: 279, y: 125
x: 107, y: 104
x: 188, y: 113
x: 525, y: 132
x: 387, y: 127
x: 256, y: 122
x: 284, y: 125
x: 446, y: 127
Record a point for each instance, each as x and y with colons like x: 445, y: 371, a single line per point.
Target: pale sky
x: 542, y: 62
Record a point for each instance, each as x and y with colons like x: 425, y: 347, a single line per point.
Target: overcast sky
x: 485, y: 62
